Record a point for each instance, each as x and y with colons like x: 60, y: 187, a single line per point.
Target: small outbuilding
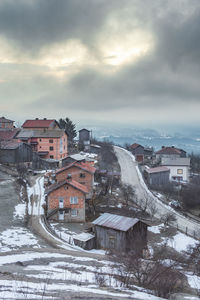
x: 158, y: 176
x: 85, y: 240
x: 114, y: 232
x: 12, y: 152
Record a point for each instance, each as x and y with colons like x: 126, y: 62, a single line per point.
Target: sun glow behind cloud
x: 127, y: 48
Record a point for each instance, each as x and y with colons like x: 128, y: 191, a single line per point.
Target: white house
x: 179, y: 168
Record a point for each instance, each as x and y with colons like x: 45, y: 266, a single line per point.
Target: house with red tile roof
x: 170, y: 152
x: 80, y: 172
x: 66, y: 201
x: 138, y: 152
x: 40, y: 124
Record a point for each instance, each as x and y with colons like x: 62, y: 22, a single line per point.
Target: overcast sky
x: 128, y: 61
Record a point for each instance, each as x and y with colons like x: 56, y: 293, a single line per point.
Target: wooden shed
x: 114, y: 232
x: 158, y: 176
x: 12, y: 152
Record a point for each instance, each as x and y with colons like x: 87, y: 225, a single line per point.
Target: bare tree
x: 128, y: 193
x: 152, y: 273
x: 168, y: 218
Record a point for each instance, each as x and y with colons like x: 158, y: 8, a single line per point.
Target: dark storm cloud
x: 167, y: 75
x: 36, y: 23
x: 179, y: 38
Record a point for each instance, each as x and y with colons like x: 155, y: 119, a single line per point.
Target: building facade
x: 179, y: 168
x: 49, y: 144
x: 66, y: 201
x: 82, y: 173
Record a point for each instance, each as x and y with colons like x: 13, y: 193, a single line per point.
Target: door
x: 61, y: 202
x: 61, y: 215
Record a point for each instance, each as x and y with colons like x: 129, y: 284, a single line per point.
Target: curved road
x: 131, y: 175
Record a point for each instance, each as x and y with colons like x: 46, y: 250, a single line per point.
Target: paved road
x: 130, y: 175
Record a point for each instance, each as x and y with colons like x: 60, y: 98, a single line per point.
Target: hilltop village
x: 88, y: 195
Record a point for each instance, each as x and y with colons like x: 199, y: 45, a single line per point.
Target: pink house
x: 47, y: 143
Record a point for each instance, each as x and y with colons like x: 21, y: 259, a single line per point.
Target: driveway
x: 131, y: 175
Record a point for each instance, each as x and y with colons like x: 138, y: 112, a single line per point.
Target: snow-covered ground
x: 55, y: 273
x: 180, y: 241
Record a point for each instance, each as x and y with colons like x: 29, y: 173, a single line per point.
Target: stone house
x: 6, y: 123
x: 66, y: 201
x: 49, y: 144
x: 83, y: 173
x: 120, y: 233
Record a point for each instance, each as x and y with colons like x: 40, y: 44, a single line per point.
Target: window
x: 180, y: 171
x: 74, y: 212
x: 51, y: 141
x: 51, y: 156
x: 82, y: 175
x: 74, y: 200
x: 51, y: 148
x: 69, y: 176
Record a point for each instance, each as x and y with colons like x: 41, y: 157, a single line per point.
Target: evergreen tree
x: 69, y: 127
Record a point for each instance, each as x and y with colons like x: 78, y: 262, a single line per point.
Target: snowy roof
x: 115, y: 222
x: 180, y: 161
x: 84, y: 236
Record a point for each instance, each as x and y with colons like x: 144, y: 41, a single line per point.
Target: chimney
x: 172, y: 146
x: 163, y: 147
x: 44, y: 118
x: 36, y: 118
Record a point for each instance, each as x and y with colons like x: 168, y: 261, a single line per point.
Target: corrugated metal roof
x: 157, y: 170
x: 54, y: 133
x: 115, y: 222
